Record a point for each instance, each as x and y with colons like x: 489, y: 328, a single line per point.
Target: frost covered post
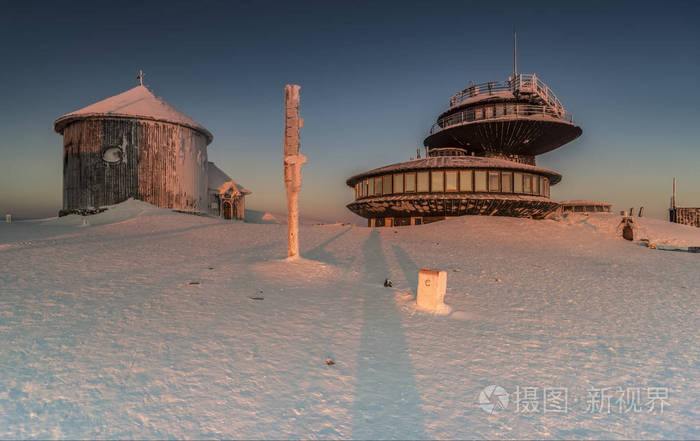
x: 293, y: 160
x: 430, y: 295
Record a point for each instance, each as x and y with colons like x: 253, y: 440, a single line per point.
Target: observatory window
x: 480, y: 180
x: 489, y: 112
x: 494, y: 179
x: 437, y: 181
x: 371, y: 187
x: 536, y: 185
x: 479, y: 113
x: 507, y: 182
x: 410, y: 183
x: 398, y: 183
x: 517, y: 182
x: 500, y: 109
x: 451, y: 180
x: 465, y: 180
x: 542, y: 189
x: 386, y: 184
x: 527, y: 184
x: 378, y: 186
x: 423, y: 183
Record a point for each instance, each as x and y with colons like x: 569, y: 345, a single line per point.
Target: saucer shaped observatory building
x: 480, y: 159
x: 133, y: 145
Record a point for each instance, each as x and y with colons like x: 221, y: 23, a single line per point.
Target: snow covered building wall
x: 133, y: 144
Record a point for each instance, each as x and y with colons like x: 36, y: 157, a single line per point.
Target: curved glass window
x: 437, y: 181
x: 398, y: 183
x: 465, y: 180
x: 410, y: 182
x: 517, y: 182
x: 451, y: 180
x: 386, y: 184
x: 479, y: 180
x: 378, y: 186
x: 422, y: 182
x: 506, y: 182
x: 494, y: 181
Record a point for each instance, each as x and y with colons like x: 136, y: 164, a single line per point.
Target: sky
x: 374, y: 76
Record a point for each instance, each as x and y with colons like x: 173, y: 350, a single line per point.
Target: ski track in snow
x: 121, y: 330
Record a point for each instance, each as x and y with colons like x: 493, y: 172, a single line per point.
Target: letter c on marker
x: 427, y: 282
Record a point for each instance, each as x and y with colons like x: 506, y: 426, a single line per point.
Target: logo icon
x: 493, y: 398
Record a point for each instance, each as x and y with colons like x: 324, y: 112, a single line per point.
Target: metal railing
x: 500, y: 111
x: 518, y: 85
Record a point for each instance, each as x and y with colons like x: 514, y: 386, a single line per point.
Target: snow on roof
x: 220, y: 181
x: 138, y: 102
x: 455, y: 162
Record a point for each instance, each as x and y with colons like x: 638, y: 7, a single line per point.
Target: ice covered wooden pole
x: 293, y: 160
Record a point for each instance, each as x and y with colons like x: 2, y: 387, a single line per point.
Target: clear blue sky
x: 374, y: 77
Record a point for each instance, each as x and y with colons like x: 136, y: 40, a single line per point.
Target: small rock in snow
x: 388, y: 283
x: 496, y: 279
x: 193, y: 283
x: 330, y: 362
x: 256, y: 298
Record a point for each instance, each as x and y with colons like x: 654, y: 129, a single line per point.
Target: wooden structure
x: 293, y: 160
x: 133, y: 145
x: 683, y: 215
x: 586, y: 207
x: 226, y: 197
x: 480, y: 159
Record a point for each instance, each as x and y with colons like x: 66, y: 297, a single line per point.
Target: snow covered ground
x: 153, y: 324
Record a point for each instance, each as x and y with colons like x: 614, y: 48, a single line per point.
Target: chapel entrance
x: 228, y: 210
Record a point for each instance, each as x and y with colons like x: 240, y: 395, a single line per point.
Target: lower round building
x: 434, y: 188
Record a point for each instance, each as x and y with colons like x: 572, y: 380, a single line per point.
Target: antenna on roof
x: 140, y: 76
x: 515, y: 54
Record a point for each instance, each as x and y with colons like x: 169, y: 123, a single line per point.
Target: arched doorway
x: 228, y: 210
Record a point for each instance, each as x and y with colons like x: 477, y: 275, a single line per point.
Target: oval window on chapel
x: 112, y: 155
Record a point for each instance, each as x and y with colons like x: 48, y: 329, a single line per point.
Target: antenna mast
x: 515, y: 54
